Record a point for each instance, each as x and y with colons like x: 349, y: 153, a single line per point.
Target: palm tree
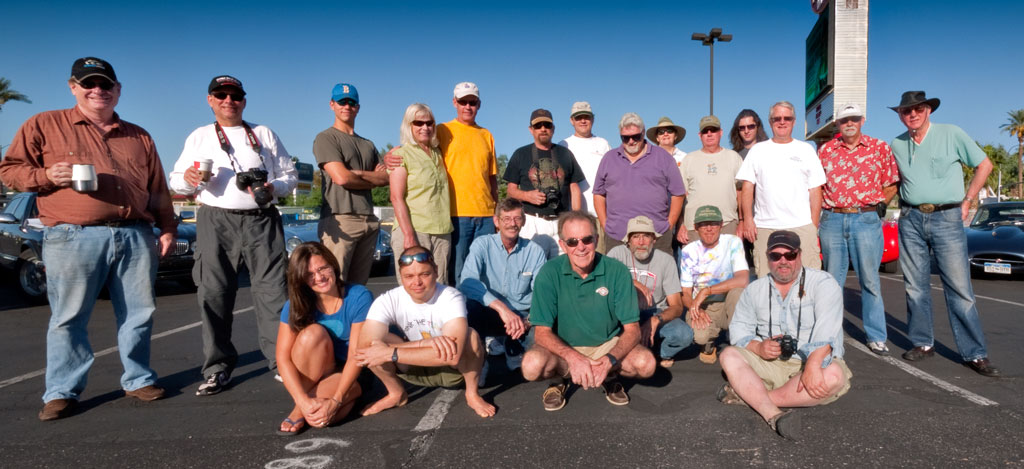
x: 1015, y: 127
x: 7, y: 94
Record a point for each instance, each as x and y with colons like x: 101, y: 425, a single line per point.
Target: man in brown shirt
x: 98, y: 238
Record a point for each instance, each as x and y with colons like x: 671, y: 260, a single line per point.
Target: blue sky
x: 621, y: 57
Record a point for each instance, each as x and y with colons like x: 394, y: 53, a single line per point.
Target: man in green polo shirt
x: 585, y: 319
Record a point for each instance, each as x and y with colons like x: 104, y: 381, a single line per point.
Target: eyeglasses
x: 325, y: 270
x: 746, y: 128
x: 423, y: 123
x: 783, y: 118
x: 468, y: 102
x: 507, y: 220
x: 543, y: 125
x: 632, y: 138
x: 573, y: 242
x: 348, y: 102
x: 709, y: 130
x: 236, y: 97
x: 105, y: 85
x: 420, y: 257
x: 918, y: 109
x: 846, y: 120
x: 664, y: 131
x: 789, y: 255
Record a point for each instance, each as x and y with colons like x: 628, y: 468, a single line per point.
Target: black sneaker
x: 214, y: 384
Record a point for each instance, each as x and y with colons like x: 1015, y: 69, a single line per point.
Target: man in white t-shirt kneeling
x: 448, y: 351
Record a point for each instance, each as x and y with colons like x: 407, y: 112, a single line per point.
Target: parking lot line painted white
x: 430, y: 421
x: 951, y: 388
x: 998, y: 300
x: 110, y: 350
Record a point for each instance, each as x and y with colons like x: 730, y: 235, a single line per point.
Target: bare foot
x: 386, y: 402
x: 479, y: 405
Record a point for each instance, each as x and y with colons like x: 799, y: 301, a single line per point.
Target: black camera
x: 552, y: 198
x: 788, y: 344
x: 254, y: 179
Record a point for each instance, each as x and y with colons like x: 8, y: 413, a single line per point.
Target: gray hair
x: 576, y: 215
x: 785, y: 104
x: 631, y: 119
x: 405, y: 131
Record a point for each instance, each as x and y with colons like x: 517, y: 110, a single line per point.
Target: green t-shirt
x: 426, y: 190
x: 356, y: 153
x: 930, y: 173
x: 584, y: 312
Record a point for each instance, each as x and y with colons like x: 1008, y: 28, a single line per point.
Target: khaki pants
x: 810, y: 252
x: 352, y: 239
x: 438, y: 245
x: 720, y: 313
x: 775, y: 373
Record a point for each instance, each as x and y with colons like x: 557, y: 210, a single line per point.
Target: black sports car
x: 995, y: 239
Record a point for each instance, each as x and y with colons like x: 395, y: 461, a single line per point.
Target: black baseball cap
x: 541, y: 115
x: 86, y: 67
x: 785, y: 238
x: 225, y: 81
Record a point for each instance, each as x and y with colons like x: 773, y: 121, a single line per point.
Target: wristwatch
x: 394, y: 356
x: 611, y: 358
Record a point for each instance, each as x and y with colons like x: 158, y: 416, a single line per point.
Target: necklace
x: 335, y: 305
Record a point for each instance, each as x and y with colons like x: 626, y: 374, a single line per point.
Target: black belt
x: 929, y: 208
x: 119, y: 223
x: 545, y: 217
x: 250, y: 211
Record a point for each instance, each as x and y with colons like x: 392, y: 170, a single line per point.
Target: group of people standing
x: 601, y: 263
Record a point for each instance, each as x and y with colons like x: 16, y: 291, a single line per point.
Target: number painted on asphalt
x: 305, y: 446
x: 312, y: 444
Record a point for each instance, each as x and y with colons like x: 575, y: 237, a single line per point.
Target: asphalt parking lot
x: 923, y: 414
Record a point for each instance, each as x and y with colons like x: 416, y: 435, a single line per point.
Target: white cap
x: 465, y: 89
x: 849, y: 110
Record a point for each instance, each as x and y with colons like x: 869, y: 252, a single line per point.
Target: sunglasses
x: 709, y: 130
x: 105, y: 85
x: 573, y: 242
x: 747, y: 127
x: 583, y: 117
x: 846, y: 120
x: 468, y: 102
x: 543, y: 125
x: 348, y: 102
x: 666, y: 131
x: 420, y: 257
x: 783, y: 118
x: 236, y: 97
x: 789, y: 255
x: 918, y: 109
x: 423, y: 123
x: 632, y: 138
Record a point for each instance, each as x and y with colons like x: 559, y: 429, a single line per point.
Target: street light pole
x: 709, y: 40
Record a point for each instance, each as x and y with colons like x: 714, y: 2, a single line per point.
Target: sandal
x: 727, y: 395
x: 297, y: 426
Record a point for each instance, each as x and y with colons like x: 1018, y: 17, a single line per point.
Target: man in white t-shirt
x: 439, y: 347
x: 787, y: 176
x: 588, y: 150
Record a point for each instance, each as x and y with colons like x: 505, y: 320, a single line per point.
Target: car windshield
x: 999, y: 215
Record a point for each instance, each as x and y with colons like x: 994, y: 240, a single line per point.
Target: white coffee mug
x: 83, y: 178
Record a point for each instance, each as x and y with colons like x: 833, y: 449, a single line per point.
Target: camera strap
x: 555, y: 171
x: 799, y: 308
x: 250, y: 138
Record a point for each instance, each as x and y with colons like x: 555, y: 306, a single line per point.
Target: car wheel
x: 891, y: 267
x: 32, y: 276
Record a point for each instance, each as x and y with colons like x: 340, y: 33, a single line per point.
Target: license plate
x: 994, y: 268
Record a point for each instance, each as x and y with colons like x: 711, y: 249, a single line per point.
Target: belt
x: 250, y: 211
x: 929, y: 208
x: 119, y: 223
x: 870, y: 208
x: 544, y: 217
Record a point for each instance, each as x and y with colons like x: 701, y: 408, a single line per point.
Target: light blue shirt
x: 491, y: 273
x: 820, y: 321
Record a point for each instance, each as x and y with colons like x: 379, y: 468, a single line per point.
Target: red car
x: 891, y: 246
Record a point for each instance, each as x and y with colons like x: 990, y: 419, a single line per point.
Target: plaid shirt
x: 855, y: 177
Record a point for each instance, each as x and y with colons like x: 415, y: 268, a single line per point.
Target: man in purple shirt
x: 637, y: 179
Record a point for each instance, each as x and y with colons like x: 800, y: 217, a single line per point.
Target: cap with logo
x: 466, y: 89
x: 709, y: 121
x: 225, y: 81
x: 639, y: 224
x: 580, y: 107
x: 785, y: 238
x: 541, y: 115
x: 344, y: 91
x: 86, y: 67
x: 707, y: 213
x: 849, y: 110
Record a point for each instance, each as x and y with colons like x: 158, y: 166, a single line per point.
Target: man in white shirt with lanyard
x: 237, y: 225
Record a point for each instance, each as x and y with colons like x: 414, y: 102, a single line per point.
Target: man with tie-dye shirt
x: 861, y: 176
x: 712, y: 272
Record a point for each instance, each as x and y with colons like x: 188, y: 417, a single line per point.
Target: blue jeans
x: 857, y: 237
x: 466, y: 230
x: 80, y: 261
x: 674, y: 335
x: 941, y: 233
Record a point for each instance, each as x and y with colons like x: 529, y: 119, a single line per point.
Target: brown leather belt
x: 929, y: 208
x: 851, y: 209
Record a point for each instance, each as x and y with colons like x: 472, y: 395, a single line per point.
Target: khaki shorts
x: 432, y: 376
x: 775, y: 373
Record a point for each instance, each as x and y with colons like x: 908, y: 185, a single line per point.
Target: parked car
x: 890, y: 246
x: 995, y: 239
x: 301, y: 228
x: 21, y: 236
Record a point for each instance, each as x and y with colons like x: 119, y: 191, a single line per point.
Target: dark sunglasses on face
x: 573, y: 242
x: 747, y: 127
x: 783, y: 118
x: 666, y: 131
x: 709, y: 130
x: 348, y: 102
x: 845, y: 120
x: 789, y: 255
x: 420, y: 257
x: 236, y: 97
x: 635, y: 138
x: 918, y: 109
x: 423, y: 123
x: 543, y: 125
x: 468, y: 102
x: 105, y: 85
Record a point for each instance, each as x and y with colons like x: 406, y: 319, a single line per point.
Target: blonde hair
x: 405, y: 131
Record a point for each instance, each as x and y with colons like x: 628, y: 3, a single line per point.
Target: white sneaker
x: 494, y: 345
x: 878, y: 348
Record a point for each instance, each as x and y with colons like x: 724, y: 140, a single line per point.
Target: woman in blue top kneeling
x: 321, y: 315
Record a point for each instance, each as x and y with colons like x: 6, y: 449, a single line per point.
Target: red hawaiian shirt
x: 855, y: 177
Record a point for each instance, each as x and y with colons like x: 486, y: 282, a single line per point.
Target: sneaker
x: 709, y: 353
x: 615, y: 393
x: 214, y: 384
x: 494, y: 345
x: 878, y: 348
x: 278, y: 378
x: 554, y: 396
x: 513, y: 353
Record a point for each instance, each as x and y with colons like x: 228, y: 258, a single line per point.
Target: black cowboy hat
x: 913, y: 98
